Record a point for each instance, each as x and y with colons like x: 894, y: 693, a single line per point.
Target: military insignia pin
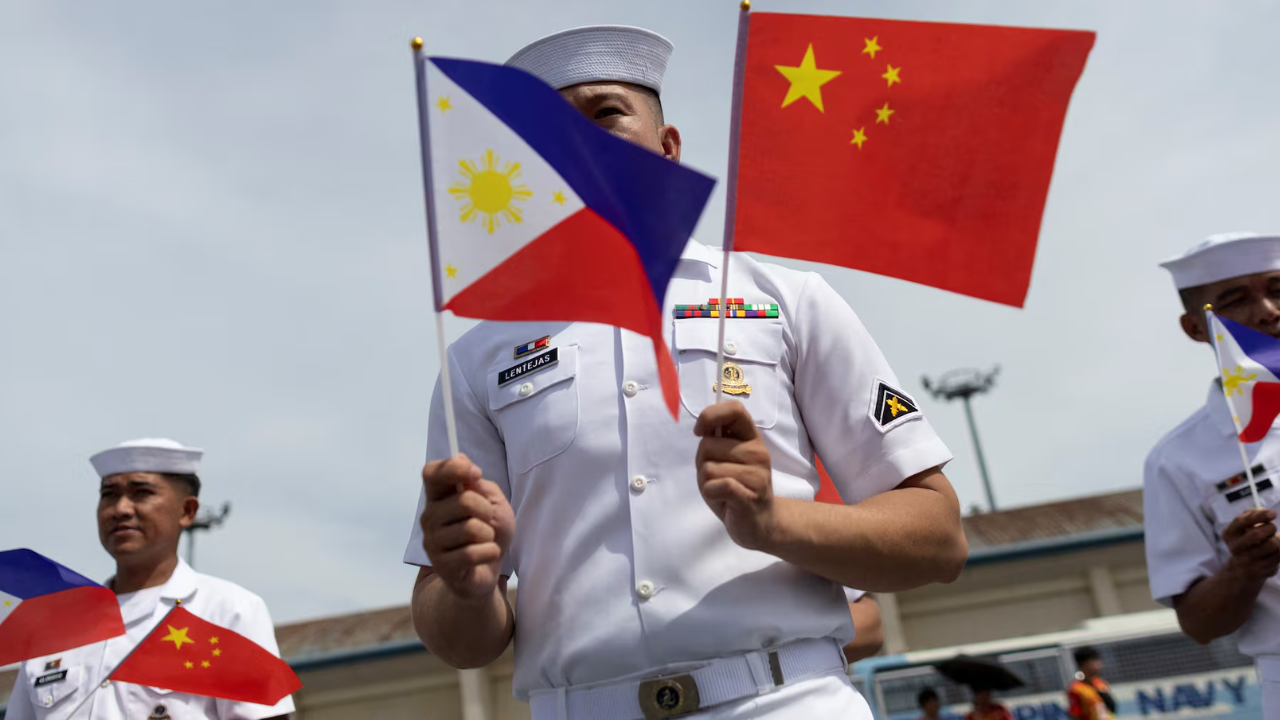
x: 890, y: 407
x: 733, y: 380
x: 532, y: 347
x: 159, y: 712
x: 53, y: 664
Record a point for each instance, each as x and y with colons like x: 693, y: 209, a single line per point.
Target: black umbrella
x: 979, y: 674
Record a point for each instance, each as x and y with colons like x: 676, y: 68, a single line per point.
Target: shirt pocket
x: 56, y: 693
x: 753, y: 349
x: 538, y: 413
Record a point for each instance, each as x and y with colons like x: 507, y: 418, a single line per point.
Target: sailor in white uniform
x: 674, y: 568
x: 1210, y: 554
x: 148, y: 493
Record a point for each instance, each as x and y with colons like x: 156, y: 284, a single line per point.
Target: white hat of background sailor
x: 154, y: 455
x: 1225, y: 256
x: 597, y: 53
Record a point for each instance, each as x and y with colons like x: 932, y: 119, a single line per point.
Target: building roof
x: 319, y: 638
x: 1084, y: 516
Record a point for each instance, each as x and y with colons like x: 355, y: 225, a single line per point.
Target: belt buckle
x: 667, y: 697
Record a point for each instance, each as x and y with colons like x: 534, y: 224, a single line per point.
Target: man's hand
x: 734, y: 473
x: 1251, y: 538
x: 467, y: 527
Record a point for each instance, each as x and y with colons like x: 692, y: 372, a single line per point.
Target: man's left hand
x: 734, y: 474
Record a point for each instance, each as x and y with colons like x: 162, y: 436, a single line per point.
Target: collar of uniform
x: 180, y: 586
x: 695, y: 251
x: 1219, y: 413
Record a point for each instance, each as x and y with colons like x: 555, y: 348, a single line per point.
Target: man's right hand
x: 467, y: 527
x: 1255, y: 549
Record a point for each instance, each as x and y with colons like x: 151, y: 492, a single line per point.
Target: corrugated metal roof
x: 1068, y: 518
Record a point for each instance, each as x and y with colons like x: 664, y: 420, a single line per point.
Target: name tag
x: 51, y: 678
x: 530, y: 366
x: 1243, y: 492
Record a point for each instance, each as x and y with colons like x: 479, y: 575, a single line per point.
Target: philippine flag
x: 46, y: 608
x: 1250, y: 364
x: 538, y: 214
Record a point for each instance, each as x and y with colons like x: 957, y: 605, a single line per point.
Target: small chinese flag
x: 827, y: 492
x: 187, y: 654
x: 922, y: 151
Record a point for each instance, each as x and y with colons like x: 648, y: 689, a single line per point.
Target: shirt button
x: 637, y: 483
x: 644, y: 589
x: 630, y: 388
x: 731, y: 348
x: 525, y: 389
x: 48, y: 700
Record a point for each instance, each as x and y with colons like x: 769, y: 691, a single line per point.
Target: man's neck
x: 132, y: 577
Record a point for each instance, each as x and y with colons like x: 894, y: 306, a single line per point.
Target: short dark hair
x: 189, y: 482
x: 655, y: 102
x: 1085, y: 654
x: 926, y: 695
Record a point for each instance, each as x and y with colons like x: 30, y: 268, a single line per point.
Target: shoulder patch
x: 891, y: 407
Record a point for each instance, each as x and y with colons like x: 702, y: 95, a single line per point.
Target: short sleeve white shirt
x: 49, y: 688
x: 1192, y: 489
x: 623, y: 568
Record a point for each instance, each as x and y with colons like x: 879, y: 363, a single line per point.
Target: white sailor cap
x: 597, y: 53
x: 1225, y: 256
x: 154, y: 455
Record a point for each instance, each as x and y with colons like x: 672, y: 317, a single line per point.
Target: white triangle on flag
x: 493, y: 193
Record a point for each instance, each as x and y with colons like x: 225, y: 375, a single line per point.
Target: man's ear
x: 1193, y: 325
x: 669, y: 136
x: 190, y: 506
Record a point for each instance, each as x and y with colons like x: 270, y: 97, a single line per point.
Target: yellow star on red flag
x: 806, y: 80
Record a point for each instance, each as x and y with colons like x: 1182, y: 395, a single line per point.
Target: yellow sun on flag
x: 489, y: 192
x: 1232, y: 380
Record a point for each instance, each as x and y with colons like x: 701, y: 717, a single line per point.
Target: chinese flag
x: 187, y: 654
x: 827, y: 492
x: 922, y: 151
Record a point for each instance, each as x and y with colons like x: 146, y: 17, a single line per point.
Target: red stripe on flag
x: 60, y: 621
x: 1266, y: 407
x: 582, y: 270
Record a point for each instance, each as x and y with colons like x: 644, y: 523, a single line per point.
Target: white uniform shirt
x: 42, y: 690
x: 1188, y: 502
x: 623, y: 568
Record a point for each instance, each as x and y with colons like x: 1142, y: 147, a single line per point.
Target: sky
x: 211, y: 229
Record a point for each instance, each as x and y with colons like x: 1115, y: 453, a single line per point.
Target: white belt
x: 718, y: 681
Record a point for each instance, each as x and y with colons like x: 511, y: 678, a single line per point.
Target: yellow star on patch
x: 872, y: 47
x: 859, y: 137
x: 894, y: 406
x: 557, y: 197
x: 188, y: 664
x: 177, y: 637
x: 443, y: 104
x: 882, y: 115
x: 806, y: 80
x: 892, y: 75
x: 450, y: 271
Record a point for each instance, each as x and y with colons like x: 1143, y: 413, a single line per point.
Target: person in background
x: 930, y: 705
x: 986, y: 708
x: 1089, y: 696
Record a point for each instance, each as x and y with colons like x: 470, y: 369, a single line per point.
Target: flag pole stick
x: 1235, y: 419
x: 103, y: 682
x: 731, y: 187
x: 424, y: 140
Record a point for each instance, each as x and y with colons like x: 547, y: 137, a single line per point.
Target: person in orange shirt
x: 1089, y: 697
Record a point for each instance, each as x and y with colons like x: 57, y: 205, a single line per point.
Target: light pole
x: 964, y: 384
x: 204, y: 521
